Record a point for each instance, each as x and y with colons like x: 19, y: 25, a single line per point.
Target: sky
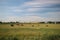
x: 29, y: 10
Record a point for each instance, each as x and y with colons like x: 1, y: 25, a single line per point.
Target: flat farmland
x: 35, y: 25
x: 30, y: 31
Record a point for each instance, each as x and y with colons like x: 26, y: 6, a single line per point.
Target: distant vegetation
x: 0, y: 22
x: 42, y: 22
x: 49, y: 22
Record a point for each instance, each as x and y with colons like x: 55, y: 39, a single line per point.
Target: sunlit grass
x: 26, y: 33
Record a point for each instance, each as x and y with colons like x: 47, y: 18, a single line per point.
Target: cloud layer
x: 28, y: 11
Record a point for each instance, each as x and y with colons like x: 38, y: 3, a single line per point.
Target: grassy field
x: 30, y: 32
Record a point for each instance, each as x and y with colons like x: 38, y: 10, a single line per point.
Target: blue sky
x: 29, y: 10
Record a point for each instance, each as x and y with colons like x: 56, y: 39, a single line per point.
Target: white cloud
x: 33, y: 6
x: 54, y: 14
x: 28, y: 19
x: 17, y: 10
x: 31, y: 10
x: 23, y: 19
x: 30, y: 7
x: 40, y: 2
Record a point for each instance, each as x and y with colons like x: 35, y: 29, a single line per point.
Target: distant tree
x: 12, y: 22
x: 0, y: 22
x: 51, y: 22
x: 17, y: 22
x: 57, y: 22
x: 42, y: 22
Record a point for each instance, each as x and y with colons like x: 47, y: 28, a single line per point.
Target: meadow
x: 33, y: 31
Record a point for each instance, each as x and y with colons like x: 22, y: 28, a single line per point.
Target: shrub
x: 32, y: 25
x: 12, y: 25
x: 46, y: 25
x: 22, y: 25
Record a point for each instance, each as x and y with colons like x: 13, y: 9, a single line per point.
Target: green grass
x: 26, y: 33
x: 29, y: 34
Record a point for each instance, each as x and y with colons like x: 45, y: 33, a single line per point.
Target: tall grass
x: 29, y: 34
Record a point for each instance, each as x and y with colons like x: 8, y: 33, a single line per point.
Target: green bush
x: 12, y: 25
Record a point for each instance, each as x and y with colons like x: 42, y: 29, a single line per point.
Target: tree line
x: 49, y: 22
